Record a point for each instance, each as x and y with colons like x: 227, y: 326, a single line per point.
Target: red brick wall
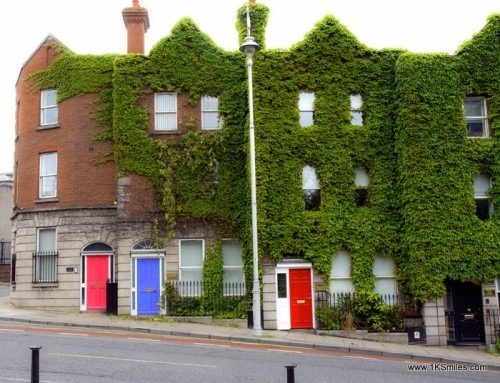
x: 79, y: 182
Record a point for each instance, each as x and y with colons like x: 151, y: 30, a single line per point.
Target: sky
x: 97, y: 27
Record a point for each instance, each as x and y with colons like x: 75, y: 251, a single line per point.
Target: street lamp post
x: 249, y: 47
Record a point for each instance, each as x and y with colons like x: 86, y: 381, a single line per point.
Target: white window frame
x: 306, y: 109
x: 206, y: 112
x: 182, y: 290
x: 483, y: 118
x: 46, y: 108
x: 386, y: 276
x: 238, y: 268
x: 45, y: 176
x: 344, y: 277
x: 159, y: 113
x: 356, y: 101
x: 41, y: 259
x: 310, y: 182
x: 483, y: 194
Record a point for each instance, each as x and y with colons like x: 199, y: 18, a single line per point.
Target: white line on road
x: 11, y: 330
x: 290, y: 351
x: 72, y: 333
x: 133, y: 360
x: 144, y: 339
x: 359, y: 357
x: 211, y: 345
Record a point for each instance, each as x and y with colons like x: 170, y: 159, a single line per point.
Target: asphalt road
x: 70, y: 355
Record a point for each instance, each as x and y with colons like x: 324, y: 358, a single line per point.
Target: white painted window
x: 191, y: 260
x: 48, y: 175
x: 484, y: 206
x: 475, y: 117
x: 311, y: 188
x: 210, y: 118
x: 385, y: 279
x: 340, y: 273
x: 45, y: 267
x: 356, y: 114
x: 306, y: 109
x: 361, y: 181
x: 233, y: 267
x: 49, y: 110
x: 165, y: 111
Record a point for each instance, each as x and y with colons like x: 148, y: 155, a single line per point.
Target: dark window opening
x: 483, y: 210
x: 312, y: 198
x: 361, y: 197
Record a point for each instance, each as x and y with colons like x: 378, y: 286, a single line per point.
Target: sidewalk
x: 299, y: 339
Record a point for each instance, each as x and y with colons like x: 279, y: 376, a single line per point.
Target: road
x: 77, y: 355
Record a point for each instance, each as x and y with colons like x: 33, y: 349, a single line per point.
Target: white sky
x: 91, y: 26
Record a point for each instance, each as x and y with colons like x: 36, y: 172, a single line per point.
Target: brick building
x: 132, y: 170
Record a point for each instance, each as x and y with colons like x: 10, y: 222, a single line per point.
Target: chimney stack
x: 137, y: 23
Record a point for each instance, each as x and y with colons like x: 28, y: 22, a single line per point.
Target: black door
x: 467, y: 312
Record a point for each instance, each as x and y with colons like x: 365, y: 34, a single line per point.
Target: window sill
x: 166, y: 132
x: 44, y: 285
x: 48, y: 127
x: 45, y: 200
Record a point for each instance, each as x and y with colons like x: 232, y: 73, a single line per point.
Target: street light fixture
x: 249, y: 47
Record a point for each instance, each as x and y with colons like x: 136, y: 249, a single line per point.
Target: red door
x: 97, y: 277
x: 300, y: 298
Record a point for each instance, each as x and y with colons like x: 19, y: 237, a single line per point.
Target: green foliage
x: 413, y: 144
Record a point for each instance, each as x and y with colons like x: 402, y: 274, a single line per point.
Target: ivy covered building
x: 377, y: 171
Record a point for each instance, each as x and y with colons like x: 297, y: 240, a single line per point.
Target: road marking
x: 25, y: 380
x: 212, y: 345
x: 290, y: 351
x: 72, y: 333
x: 360, y: 357
x: 134, y: 360
x: 146, y: 339
x: 11, y: 330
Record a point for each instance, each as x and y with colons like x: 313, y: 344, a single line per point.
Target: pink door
x: 97, y: 277
x: 300, y: 298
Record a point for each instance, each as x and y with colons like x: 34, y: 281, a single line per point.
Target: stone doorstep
x: 386, y: 337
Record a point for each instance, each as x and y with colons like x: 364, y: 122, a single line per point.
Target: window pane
x: 46, y: 240
x: 356, y: 118
x: 282, y: 286
x: 356, y: 101
x: 341, y: 286
x: 48, y: 186
x: 209, y: 103
x: 165, y: 102
x: 306, y: 101
x: 483, y: 208
x: 192, y: 253
x: 48, y: 164
x: 474, y: 107
x: 341, y: 265
x: 385, y: 286
x: 383, y: 267
x: 361, y: 197
x: 191, y: 275
x: 312, y: 199
x: 231, y: 253
x: 49, y: 116
x: 166, y: 121
x: 309, y: 178
x: 475, y: 128
x: 233, y: 276
x: 211, y: 120
x: 361, y: 178
x: 306, y: 119
x: 482, y: 183
x: 49, y: 98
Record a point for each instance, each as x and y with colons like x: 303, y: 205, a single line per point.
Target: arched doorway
x: 97, y: 268
x: 147, y: 277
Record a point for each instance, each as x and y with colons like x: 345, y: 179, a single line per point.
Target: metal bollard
x: 290, y: 373
x: 35, y: 364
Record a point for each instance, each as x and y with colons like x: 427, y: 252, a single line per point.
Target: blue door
x: 148, y: 286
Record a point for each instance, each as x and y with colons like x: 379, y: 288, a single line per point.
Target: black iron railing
x: 196, y: 298
x: 492, y: 319
x: 4, y: 253
x: 367, y: 311
x: 45, y: 267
